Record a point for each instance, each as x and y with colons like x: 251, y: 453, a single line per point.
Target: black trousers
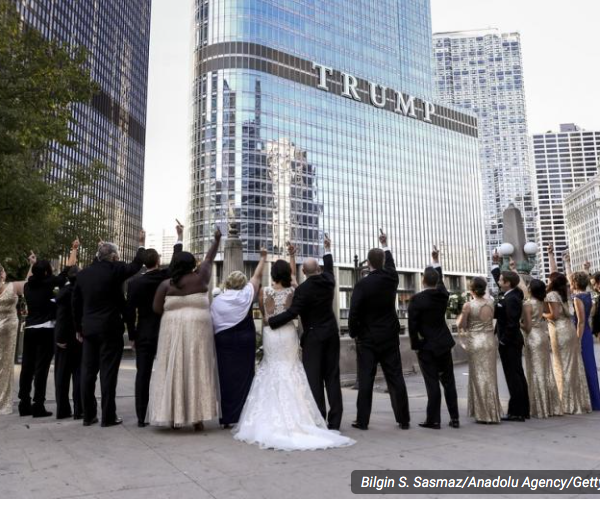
x: 144, y: 360
x: 38, y: 350
x: 438, y: 369
x: 512, y: 362
x: 391, y: 364
x: 321, y: 359
x: 101, y: 353
x: 67, y: 367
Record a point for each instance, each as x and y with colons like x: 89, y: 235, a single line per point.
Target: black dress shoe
x: 513, y: 418
x: 360, y: 426
x: 39, y: 411
x: 332, y: 427
x: 141, y: 425
x: 87, y: 423
x: 24, y: 408
x: 77, y: 417
x: 455, y: 424
x: 116, y: 421
x: 428, y: 425
x: 404, y: 426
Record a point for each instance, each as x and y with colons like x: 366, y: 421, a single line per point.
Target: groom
x: 320, y: 340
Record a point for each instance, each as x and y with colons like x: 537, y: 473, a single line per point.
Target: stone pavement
x: 62, y: 459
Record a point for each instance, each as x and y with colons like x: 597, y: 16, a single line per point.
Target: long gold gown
x: 9, y: 325
x: 544, y: 400
x: 567, y: 362
x: 482, y: 347
x: 184, y: 385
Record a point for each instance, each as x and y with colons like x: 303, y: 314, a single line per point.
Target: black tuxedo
x: 143, y: 326
x: 320, y: 340
x: 510, y: 346
x: 67, y: 362
x: 433, y: 342
x: 373, y: 322
x: 98, y: 307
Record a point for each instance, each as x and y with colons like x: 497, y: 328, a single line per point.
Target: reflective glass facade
x: 112, y: 129
x: 295, y: 161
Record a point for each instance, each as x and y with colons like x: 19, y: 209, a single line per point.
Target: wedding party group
x: 196, y: 357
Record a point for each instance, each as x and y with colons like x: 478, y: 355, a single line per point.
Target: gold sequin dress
x: 482, y: 347
x: 567, y: 362
x: 544, y: 400
x: 183, y: 389
x: 9, y: 325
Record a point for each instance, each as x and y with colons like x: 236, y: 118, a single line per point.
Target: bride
x: 280, y: 411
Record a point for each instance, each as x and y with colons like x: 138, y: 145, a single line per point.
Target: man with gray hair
x: 98, y: 307
x: 320, y: 341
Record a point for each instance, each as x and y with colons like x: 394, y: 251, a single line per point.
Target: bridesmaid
x: 9, y: 325
x: 477, y: 318
x: 566, y: 349
x: 583, y: 303
x: 235, y: 340
x: 544, y: 400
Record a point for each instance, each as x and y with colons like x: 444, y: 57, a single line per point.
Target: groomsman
x: 143, y: 324
x: 98, y: 306
x: 510, y: 340
x: 320, y: 341
x: 373, y: 322
x: 433, y: 342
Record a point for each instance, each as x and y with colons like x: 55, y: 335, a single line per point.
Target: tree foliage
x: 43, y: 205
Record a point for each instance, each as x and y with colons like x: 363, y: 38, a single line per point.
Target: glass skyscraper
x: 314, y: 117
x: 564, y: 161
x: 481, y: 71
x: 112, y: 128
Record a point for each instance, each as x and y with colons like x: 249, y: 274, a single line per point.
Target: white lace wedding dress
x: 280, y: 411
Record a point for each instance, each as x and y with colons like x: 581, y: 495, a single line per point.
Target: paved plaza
x: 62, y: 459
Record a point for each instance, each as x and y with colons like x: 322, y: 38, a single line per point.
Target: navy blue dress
x: 236, y: 356
x: 587, y: 352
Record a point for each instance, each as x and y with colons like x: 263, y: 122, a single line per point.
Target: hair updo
x: 281, y: 272
x: 479, y: 286
x: 236, y: 281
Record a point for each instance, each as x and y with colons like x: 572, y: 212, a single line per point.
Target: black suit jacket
x: 64, y: 328
x: 143, y: 324
x: 508, y: 315
x: 98, y: 300
x: 596, y: 321
x: 313, y: 302
x: 373, y: 318
x: 427, y: 319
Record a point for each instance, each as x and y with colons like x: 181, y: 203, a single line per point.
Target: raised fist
x: 218, y: 234
x: 496, y: 258
x: 550, y: 249
x: 327, y: 242
x: 32, y: 258
x: 75, y: 244
x: 263, y: 252
x: 435, y: 254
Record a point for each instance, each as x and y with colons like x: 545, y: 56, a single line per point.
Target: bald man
x: 320, y: 341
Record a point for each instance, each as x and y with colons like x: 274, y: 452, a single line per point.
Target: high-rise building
x: 481, y: 72
x: 112, y: 128
x: 163, y: 242
x: 582, y: 219
x: 564, y: 161
x: 318, y: 117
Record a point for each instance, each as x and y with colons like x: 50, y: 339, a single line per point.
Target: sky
x: 561, y: 59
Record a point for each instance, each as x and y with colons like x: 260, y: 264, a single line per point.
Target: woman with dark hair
x: 38, y: 341
x: 184, y: 385
x: 582, y: 300
x: 477, y: 319
x: 544, y: 399
x: 566, y: 349
x: 280, y: 411
x: 9, y: 325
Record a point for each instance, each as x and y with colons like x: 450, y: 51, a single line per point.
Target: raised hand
x: 263, y: 252
x: 382, y: 238
x: 512, y: 265
x: 550, y: 249
x: 32, y: 258
x: 218, y: 234
x: 587, y: 266
x: 291, y: 249
x: 327, y: 243
x: 496, y: 258
x: 435, y: 254
x: 142, y: 237
x: 567, y: 257
x: 179, y: 228
x: 75, y: 244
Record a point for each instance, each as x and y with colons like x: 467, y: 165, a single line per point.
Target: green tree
x: 42, y: 206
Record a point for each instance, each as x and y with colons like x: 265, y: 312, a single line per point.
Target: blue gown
x: 587, y: 352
